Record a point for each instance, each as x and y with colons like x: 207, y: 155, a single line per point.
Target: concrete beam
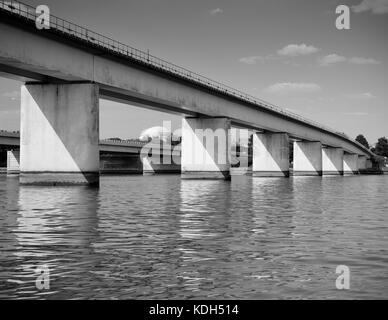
x: 307, y: 158
x: 271, y: 155
x: 205, y: 148
x: 350, y: 163
x: 332, y: 161
x: 59, y: 138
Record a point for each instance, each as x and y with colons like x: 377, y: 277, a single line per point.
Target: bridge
x: 11, y: 140
x: 67, y: 68
x: 115, y: 156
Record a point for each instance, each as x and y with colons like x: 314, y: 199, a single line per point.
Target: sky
x: 287, y: 52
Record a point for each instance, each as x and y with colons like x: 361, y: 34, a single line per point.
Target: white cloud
x: 216, y: 11
x: 256, y: 59
x: 376, y: 6
x: 356, y: 113
x: 251, y: 60
x: 294, y: 50
x: 335, y: 58
x: 291, y: 50
x: 363, y: 96
x: 293, y: 87
x: 359, y: 60
x: 331, y: 59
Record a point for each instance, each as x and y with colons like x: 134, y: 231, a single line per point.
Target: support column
x: 271, y: 155
x: 332, y: 161
x: 59, y: 138
x: 13, y: 162
x: 350, y: 163
x: 361, y: 164
x: 307, y: 158
x: 205, y: 148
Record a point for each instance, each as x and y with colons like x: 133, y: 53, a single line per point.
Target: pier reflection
x: 53, y: 228
x: 204, y: 225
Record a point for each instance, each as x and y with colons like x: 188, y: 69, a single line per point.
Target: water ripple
x: 166, y: 238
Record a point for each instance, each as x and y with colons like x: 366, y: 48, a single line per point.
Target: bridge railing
x: 123, y: 142
x: 5, y: 133
x: 80, y: 33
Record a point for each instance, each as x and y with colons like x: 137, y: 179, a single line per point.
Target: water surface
x: 166, y: 238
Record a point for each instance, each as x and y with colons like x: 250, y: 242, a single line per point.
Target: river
x: 160, y: 237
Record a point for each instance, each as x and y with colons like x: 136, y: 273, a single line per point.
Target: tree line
x: 380, y: 148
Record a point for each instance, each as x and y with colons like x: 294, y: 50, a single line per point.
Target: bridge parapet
x: 5, y: 133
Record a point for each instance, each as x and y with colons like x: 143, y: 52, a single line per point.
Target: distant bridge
x: 115, y: 156
x: 67, y: 68
x: 11, y: 140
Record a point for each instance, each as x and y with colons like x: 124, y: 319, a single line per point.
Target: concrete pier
x: 271, y: 155
x: 205, y: 148
x: 350, y: 163
x: 362, y: 162
x: 59, y: 139
x: 332, y: 161
x: 307, y: 158
x: 13, y: 162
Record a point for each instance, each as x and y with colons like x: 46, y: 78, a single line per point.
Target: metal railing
x: 73, y: 30
x: 123, y: 142
x: 154, y: 144
x: 5, y: 133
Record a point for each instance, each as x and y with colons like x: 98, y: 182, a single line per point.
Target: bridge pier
x: 13, y: 162
x: 59, y: 139
x: 307, y: 158
x: 369, y: 163
x: 271, y: 155
x: 350, y: 163
x: 205, y: 150
x: 362, y: 163
x: 332, y: 161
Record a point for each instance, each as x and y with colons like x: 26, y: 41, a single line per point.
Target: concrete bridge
x: 67, y: 68
x: 115, y: 156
